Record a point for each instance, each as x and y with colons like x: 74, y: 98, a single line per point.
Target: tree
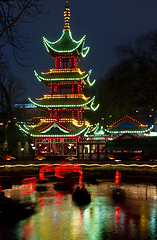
x: 141, y: 54
x: 19, y: 152
x: 13, y: 13
x: 132, y: 83
x: 26, y: 150
x: 11, y: 91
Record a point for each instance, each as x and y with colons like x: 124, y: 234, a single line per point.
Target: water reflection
x: 57, y: 217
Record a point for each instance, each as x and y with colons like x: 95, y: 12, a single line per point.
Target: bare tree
x: 11, y: 90
x: 14, y: 13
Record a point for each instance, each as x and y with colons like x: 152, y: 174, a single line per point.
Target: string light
x: 52, y: 135
x: 128, y: 131
x: 84, y: 164
x: 127, y: 117
x: 60, y: 79
x: 65, y: 105
x: 64, y: 70
x: 71, y: 44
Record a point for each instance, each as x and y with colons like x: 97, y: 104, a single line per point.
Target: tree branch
x: 16, y: 19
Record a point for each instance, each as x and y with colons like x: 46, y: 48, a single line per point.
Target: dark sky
x: 106, y: 24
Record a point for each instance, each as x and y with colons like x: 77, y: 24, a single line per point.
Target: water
x: 58, y: 218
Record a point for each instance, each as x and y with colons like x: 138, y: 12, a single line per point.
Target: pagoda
x: 59, y: 133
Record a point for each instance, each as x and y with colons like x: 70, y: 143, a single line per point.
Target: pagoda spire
x: 66, y: 16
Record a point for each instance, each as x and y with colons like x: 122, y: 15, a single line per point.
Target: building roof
x: 66, y: 45
x: 65, y: 76
x: 63, y: 102
x: 127, y: 124
x: 54, y: 129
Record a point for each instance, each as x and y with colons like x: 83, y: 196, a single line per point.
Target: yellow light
x: 68, y: 70
x: 63, y: 120
x: 49, y: 96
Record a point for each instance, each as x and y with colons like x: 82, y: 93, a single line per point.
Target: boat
x: 81, y: 196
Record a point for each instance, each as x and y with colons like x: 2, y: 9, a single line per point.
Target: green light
x: 54, y: 125
x: 67, y: 135
x: 66, y: 37
x: 126, y: 131
x: 60, y: 79
x: 62, y: 106
x: 88, y: 81
x: 91, y: 105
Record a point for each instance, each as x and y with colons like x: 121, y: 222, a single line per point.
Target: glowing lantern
x: 111, y: 157
x: 40, y: 158
x: 8, y: 158
x: 137, y: 158
x: 70, y: 158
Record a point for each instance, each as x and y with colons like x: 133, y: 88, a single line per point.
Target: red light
x: 111, y: 157
x: 63, y: 167
x: 117, y: 177
x: 8, y: 158
x: 137, y: 158
x: 45, y: 168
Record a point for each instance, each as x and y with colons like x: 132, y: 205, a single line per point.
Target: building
x: 60, y: 133
x: 61, y: 130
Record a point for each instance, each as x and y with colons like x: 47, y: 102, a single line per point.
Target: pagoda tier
x: 64, y: 101
x: 66, y: 45
x: 50, y: 127
x: 65, y: 75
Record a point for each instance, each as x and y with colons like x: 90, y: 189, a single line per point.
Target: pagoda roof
x: 63, y: 102
x: 127, y: 123
x: 66, y: 45
x: 54, y: 129
x: 67, y: 76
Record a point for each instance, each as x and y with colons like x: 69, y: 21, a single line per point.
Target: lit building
x: 62, y: 129
x: 60, y: 132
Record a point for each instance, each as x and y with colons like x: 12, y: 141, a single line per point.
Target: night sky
x: 106, y: 24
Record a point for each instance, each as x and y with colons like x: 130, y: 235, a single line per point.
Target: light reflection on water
x: 58, y: 218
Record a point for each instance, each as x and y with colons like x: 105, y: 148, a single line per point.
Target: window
x: 94, y: 148
x: 86, y: 148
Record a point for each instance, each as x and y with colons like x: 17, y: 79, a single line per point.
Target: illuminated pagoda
x: 65, y: 103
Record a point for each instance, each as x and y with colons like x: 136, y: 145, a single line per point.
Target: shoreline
x: 130, y: 174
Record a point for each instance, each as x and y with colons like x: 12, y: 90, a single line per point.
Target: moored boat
x: 81, y: 196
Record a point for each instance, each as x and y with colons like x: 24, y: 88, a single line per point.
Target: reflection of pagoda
x: 58, y: 134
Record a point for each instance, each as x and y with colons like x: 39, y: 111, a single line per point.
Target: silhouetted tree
x: 11, y: 91
x: 13, y: 14
x: 141, y: 54
x: 132, y: 83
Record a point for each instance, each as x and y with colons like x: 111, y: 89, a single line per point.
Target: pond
x: 57, y: 217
